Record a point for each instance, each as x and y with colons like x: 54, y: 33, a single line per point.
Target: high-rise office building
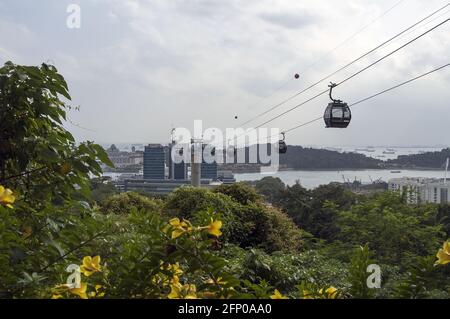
x: 209, y: 170
x: 177, y: 171
x: 154, y: 161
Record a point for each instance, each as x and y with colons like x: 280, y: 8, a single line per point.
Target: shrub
x: 282, y: 233
x: 240, y: 192
x: 285, y: 271
x: 272, y: 188
x: 250, y: 225
x: 124, y: 202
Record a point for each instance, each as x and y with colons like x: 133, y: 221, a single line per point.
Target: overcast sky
x: 137, y: 68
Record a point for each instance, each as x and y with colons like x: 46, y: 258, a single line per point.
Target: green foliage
x: 271, y: 188
x: 278, y: 230
x: 286, y: 271
x: 250, y: 225
x: 38, y: 157
x: 123, y: 203
x: 421, y: 280
x: 102, y: 188
x: 357, y: 273
x: 41, y: 163
x: 314, y: 211
x: 392, y: 229
x: 191, y: 202
x: 240, y: 192
x: 185, y: 201
x: 442, y: 217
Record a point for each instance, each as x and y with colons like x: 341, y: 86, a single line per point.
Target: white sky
x: 137, y: 68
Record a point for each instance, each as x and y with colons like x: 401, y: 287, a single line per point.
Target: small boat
x: 364, y: 150
x: 396, y: 172
x: 334, y: 149
x: 389, y: 152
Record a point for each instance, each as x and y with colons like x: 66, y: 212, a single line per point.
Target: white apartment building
x: 421, y: 190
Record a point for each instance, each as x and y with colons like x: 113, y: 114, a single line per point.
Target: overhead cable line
x: 345, y: 66
x: 351, y: 37
x: 368, y: 98
x: 334, y: 49
x: 356, y: 73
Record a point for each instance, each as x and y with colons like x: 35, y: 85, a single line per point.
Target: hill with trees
x: 303, y: 158
x: 298, y: 157
x: 424, y: 160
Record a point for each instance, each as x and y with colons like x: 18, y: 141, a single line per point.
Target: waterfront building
x: 177, y: 171
x: 154, y: 162
x: 421, y: 190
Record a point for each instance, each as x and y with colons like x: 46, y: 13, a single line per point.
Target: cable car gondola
x: 282, y: 147
x: 337, y: 114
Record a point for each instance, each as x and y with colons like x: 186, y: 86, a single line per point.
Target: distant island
x: 428, y: 160
x: 307, y: 158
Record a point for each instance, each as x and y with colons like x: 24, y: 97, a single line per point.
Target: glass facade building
x: 154, y: 161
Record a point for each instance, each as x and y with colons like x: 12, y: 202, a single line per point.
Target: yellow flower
x: 65, y: 168
x: 331, y: 292
x: 214, y: 227
x: 60, y: 290
x: 175, y: 292
x: 307, y: 295
x: 90, y: 265
x: 99, y: 292
x: 175, y: 269
x: 180, y: 227
x: 27, y: 231
x: 218, y: 281
x: 277, y: 295
x: 80, y: 292
x: 443, y: 254
x: 176, y: 281
x: 178, y: 291
x: 191, y: 292
x: 6, y: 197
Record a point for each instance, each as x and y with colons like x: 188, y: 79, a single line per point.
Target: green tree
x: 272, y: 188
x: 123, y: 203
x: 102, y: 188
x: 394, y: 231
x: 357, y: 273
x: 41, y: 162
x: 38, y: 156
x: 249, y: 225
x: 240, y: 192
